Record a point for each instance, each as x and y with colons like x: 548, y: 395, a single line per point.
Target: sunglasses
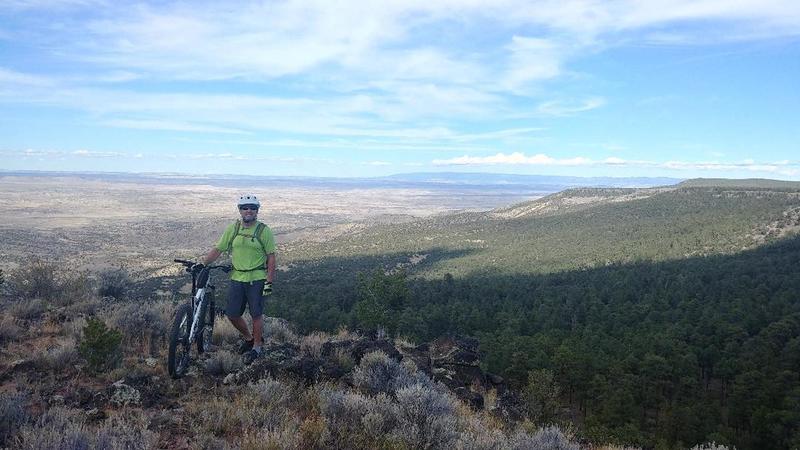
x: 248, y: 207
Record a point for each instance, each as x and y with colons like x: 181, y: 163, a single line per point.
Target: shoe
x: 251, y: 356
x: 246, y: 346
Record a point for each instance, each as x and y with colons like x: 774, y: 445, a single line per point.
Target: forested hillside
x: 662, y: 317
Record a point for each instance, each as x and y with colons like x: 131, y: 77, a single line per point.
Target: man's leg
x: 258, y: 329
x: 255, y: 303
x: 241, y: 325
x: 235, y: 309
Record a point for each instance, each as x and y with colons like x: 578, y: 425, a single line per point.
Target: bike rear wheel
x: 207, y: 316
x: 179, y: 346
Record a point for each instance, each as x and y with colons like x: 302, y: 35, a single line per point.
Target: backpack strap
x: 236, y: 228
x: 257, y: 233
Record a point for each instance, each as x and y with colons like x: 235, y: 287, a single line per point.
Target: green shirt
x: 246, y: 252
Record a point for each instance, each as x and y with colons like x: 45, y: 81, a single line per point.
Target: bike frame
x: 196, y: 311
x: 197, y: 308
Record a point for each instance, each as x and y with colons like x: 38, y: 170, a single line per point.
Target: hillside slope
x: 578, y: 228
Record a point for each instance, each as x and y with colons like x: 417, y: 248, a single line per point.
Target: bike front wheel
x: 179, y: 346
x: 207, y: 316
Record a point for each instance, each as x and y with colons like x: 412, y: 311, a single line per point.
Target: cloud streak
x: 784, y: 167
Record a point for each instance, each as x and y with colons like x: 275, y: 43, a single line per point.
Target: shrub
x: 427, y: 417
x: 225, y: 416
x: 477, y: 436
x: 114, y: 283
x: 311, y: 344
x: 12, y: 415
x: 61, y: 428
x: 9, y: 331
x: 548, y: 438
x: 58, y: 428
x: 224, y: 332
x: 141, y: 324
x: 278, y: 330
x: 377, y: 373
x: 128, y: 431
x: 223, y: 362
x: 27, y: 309
x: 100, y: 346
x: 57, y: 358
x: 36, y: 279
x: 355, y: 420
x: 271, y: 392
x: 74, y: 328
x: 709, y: 446
x: 48, y: 281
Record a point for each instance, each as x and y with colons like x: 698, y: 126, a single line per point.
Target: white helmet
x: 248, y: 199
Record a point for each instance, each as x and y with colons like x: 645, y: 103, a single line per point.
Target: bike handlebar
x: 188, y: 264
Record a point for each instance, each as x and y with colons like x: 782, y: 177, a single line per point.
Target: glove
x: 196, y: 267
x: 267, y: 289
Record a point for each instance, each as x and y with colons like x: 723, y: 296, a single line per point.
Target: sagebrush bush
x: 126, y: 432
x: 9, y: 330
x: 709, y: 446
x: 271, y: 392
x: 225, y: 332
x: 548, y: 438
x: 12, y: 415
x: 225, y: 416
x: 57, y: 357
x: 60, y: 428
x: 142, y: 325
x: 114, y: 283
x: 311, y: 344
x: 223, y: 362
x: 50, y: 282
x: 278, y: 330
x: 377, y: 373
x: 35, y: 279
x: 100, y: 346
x: 477, y: 436
x: 27, y: 309
x: 73, y: 329
x: 426, y: 417
x: 355, y: 420
x: 56, y: 429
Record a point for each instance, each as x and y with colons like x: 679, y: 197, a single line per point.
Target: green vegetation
x: 669, y: 319
x: 100, y: 346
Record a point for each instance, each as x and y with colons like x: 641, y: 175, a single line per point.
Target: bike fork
x: 199, y: 298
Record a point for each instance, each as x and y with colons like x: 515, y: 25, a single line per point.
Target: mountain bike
x: 194, y: 321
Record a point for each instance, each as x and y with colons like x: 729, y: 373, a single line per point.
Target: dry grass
x: 225, y: 332
x: 58, y: 357
x: 9, y: 330
x: 28, y: 309
x: 311, y: 345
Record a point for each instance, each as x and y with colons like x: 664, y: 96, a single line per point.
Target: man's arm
x: 212, y: 256
x: 270, y: 267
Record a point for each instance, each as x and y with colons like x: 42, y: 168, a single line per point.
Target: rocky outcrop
x: 453, y: 361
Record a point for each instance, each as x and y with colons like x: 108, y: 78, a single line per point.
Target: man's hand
x: 267, y: 289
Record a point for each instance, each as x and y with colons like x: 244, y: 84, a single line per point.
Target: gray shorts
x: 241, y: 294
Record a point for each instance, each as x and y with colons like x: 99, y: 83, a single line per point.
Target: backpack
x: 256, y: 235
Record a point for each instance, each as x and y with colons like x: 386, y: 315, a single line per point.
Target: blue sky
x: 704, y: 88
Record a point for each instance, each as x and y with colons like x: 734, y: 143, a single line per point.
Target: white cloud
x: 561, y: 108
x: 515, y: 158
x: 784, y: 167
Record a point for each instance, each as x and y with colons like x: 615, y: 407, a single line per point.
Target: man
x: 252, y: 249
